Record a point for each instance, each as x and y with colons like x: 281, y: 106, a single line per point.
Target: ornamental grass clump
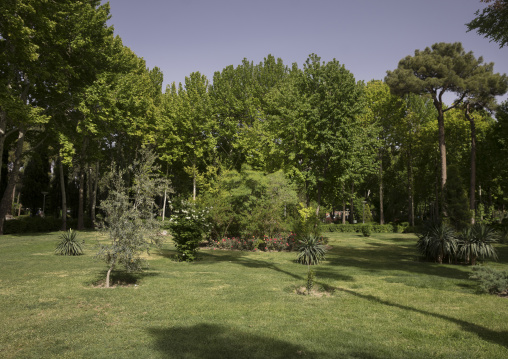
x: 476, y: 242
x: 437, y: 241
x: 69, y: 245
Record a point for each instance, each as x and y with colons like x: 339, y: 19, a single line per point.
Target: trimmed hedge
x: 374, y: 228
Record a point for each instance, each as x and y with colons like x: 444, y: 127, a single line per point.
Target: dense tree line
x: 74, y: 99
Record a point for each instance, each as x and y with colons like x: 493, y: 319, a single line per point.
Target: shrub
x: 187, y: 226
x: 476, y: 242
x: 437, y: 241
x: 68, y: 245
x: 366, y: 230
x: 490, y: 280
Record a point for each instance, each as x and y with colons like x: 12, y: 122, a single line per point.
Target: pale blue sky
x: 368, y: 36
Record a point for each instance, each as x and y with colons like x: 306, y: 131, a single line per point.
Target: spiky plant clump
x: 437, y: 241
x: 310, y: 250
x: 476, y: 242
x: 69, y: 246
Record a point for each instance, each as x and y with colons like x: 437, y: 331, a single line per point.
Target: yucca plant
x: 437, y: 241
x: 476, y: 242
x: 311, y: 251
x: 69, y: 246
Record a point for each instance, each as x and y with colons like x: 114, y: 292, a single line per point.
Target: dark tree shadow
x: 210, y: 341
x: 121, y: 277
x: 496, y: 337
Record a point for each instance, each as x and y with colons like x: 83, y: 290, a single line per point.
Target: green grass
x: 384, y: 303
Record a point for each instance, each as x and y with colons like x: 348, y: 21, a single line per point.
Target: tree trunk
x: 442, y: 150
x: 472, y: 182
x: 352, y: 206
x: 319, y: 189
x: 93, y: 200
x: 81, y: 224
x: 107, y: 276
x: 344, y: 211
x: 411, y: 210
x: 64, y: 197
x: 6, y: 203
x: 381, y: 208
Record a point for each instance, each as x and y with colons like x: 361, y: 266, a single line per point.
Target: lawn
x: 378, y: 301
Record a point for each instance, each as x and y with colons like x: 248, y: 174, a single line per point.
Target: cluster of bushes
x: 40, y: 224
x: 277, y: 243
x: 441, y: 242
x: 403, y: 227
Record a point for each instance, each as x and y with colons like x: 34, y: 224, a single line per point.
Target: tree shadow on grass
x: 210, y: 341
x: 496, y: 337
x: 121, y: 278
x: 379, y: 258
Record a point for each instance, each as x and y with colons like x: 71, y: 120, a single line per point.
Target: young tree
x: 130, y: 220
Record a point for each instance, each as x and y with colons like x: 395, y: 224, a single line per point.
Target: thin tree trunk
x: 319, y: 189
x: 64, y: 197
x: 81, y: 224
x: 352, y: 206
x: 442, y: 150
x: 6, y: 203
x: 411, y: 211
x: 107, y: 276
x: 381, y: 208
x: 94, y: 193
x: 472, y: 182
x: 344, y: 211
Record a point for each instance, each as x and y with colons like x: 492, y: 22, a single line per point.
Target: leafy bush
x: 366, y: 230
x: 249, y: 202
x: 476, y: 242
x: 277, y: 243
x: 437, y: 241
x: 187, y: 225
x: 357, y: 228
x: 68, y: 245
x: 491, y: 280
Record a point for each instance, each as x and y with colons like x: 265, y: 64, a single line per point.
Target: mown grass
x: 381, y: 303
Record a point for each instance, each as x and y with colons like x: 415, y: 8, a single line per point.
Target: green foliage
x: 356, y: 228
x: 69, y: 245
x: 307, y: 223
x: 437, y: 241
x: 249, y: 203
x: 277, y: 243
x: 456, y: 199
x: 129, y: 219
x: 492, y: 22
x: 311, y: 251
x: 188, y: 225
x: 491, y: 280
x: 476, y: 242
x: 366, y: 230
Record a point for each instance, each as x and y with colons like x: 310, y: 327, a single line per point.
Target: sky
x: 368, y: 37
